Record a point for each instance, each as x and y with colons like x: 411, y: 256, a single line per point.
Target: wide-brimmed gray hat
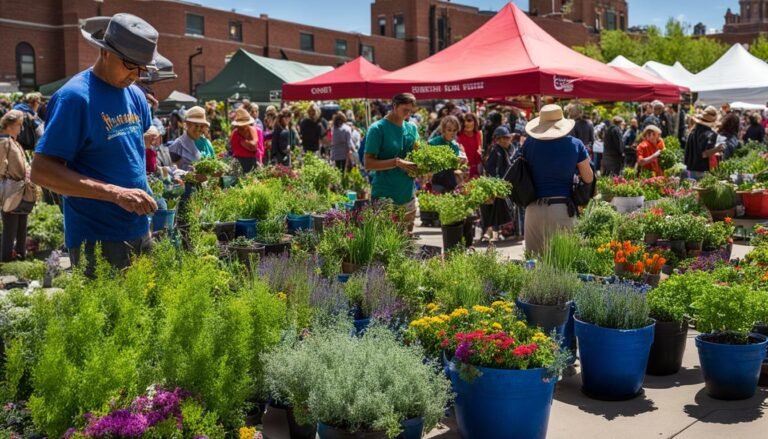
x: 125, y: 35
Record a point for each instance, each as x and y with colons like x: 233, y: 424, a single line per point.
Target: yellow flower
x: 521, y: 325
x: 499, y: 304
x: 247, y: 432
x: 282, y: 296
x: 496, y: 326
x: 482, y: 309
x: 484, y: 323
x: 435, y: 321
x: 431, y: 307
x: 539, y: 337
x: 509, y: 309
x: 459, y: 312
x: 444, y: 317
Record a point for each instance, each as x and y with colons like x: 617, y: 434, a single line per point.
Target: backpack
x: 27, y: 137
x: 519, y: 175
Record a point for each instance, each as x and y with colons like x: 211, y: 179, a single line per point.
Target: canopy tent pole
x: 367, y: 114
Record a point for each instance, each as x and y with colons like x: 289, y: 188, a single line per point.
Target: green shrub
x: 547, y: 285
x: 45, y: 226
x: 728, y: 308
x: 599, y: 219
x: 26, y: 270
x: 672, y: 300
x: 365, y: 383
x: 453, y: 208
x: 614, y: 306
x: 721, y: 196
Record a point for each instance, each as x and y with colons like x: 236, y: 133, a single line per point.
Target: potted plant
x: 330, y: 378
x: 372, y: 296
x: 652, y: 265
x: 354, y: 181
x: 428, y: 209
x: 453, y: 211
x: 654, y: 221
x: 599, y: 220
x: 720, y: 199
x: 682, y: 229
x: 614, y: 333
x: 718, y: 238
x: 502, y: 370
x: 694, y: 237
x: 245, y: 249
x: 298, y: 206
x: 271, y: 234
x: 431, y: 159
x: 729, y: 355
x: 627, y: 195
x: 546, y: 297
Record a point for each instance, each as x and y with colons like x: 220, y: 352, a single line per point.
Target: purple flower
x: 120, y: 423
x: 463, y: 352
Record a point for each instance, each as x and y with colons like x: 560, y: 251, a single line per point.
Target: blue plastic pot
x: 163, y: 219
x: 361, y: 325
x: 613, y: 361
x: 343, y: 278
x: 299, y: 222
x: 326, y: 431
x: 245, y: 227
x: 503, y: 404
x: 352, y: 196
x: 731, y: 371
x: 412, y: 429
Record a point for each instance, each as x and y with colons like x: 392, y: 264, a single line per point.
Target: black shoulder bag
x: 519, y: 175
x: 583, y: 192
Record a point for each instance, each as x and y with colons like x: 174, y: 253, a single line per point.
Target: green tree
x: 759, y: 48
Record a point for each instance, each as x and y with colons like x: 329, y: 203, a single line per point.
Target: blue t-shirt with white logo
x: 99, y: 130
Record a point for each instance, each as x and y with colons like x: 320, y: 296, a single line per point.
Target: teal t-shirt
x: 205, y: 147
x: 385, y: 141
x: 439, y: 141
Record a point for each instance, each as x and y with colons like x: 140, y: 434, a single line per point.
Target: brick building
x: 45, y: 44
x: 747, y: 25
x: 594, y: 14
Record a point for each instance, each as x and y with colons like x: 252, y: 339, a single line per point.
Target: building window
x: 622, y: 24
x: 398, y: 27
x: 597, y: 22
x: 366, y: 51
x: 610, y: 20
x: 195, y: 24
x: 383, y: 26
x: 442, y: 33
x: 25, y: 66
x: 341, y: 47
x: 307, y: 42
x: 235, y: 31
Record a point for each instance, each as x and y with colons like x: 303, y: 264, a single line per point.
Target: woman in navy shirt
x: 553, y: 158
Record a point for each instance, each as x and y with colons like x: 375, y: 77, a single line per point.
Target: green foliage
x: 319, y: 175
x: 483, y: 189
x: 354, y: 181
x: 628, y: 189
x: 723, y: 307
x: 45, y: 226
x: 430, y: 159
x: 561, y: 250
x: 547, y: 285
x: 688, y: 204
x: 453, y: 208
x: 26, y: 270
x: 717, y: 234
x: 210, y: 166
x: 749, y: 160
x: 271, y: 230
x: 672, y: 300
x: 673, y: 45
x: 599, y: 220
x: 685, y: 227
x: 614, y: 306
x: 720, y: 196
x: 427, y: 201
x: 632, y: 228
x: 363, y: 383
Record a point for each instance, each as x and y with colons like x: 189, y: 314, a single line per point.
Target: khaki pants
x: 410, y: 213
x: 541, y: 221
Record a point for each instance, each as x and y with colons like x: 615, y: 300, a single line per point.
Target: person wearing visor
x: 92, y: 151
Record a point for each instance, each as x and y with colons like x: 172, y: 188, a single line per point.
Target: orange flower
x: 728, y: 220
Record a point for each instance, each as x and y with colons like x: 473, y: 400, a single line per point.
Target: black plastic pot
x: 317, y: 222
x: 225, y: 232
x: 277, y: 249
x: 254, y: 416
x: 678, y: 248
x: 246, y: 254
x: 668, y: 348
x: 298, y: 431
x: 452, y: 236
x: 429, y: 219
x: 547, y: 317
x: 469, y: 231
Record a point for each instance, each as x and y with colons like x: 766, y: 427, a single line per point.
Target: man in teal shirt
x: 387, y: 143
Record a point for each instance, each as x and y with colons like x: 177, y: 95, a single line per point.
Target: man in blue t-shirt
x: 92, y: 151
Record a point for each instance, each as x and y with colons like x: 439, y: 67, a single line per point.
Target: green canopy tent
x: 257, y: 78
x: 52, y: 87
x: 176, y: 100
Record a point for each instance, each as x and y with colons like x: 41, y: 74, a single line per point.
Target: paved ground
x: 675, y: 406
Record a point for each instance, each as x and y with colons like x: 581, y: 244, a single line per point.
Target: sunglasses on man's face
x: 131, y: 66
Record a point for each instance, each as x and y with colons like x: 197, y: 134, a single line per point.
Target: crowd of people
x: 100, y: 135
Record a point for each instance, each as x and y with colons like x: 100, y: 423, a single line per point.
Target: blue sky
x: 353, y: 15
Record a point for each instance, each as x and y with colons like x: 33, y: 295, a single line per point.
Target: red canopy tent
x: 347, y: 81
x: 510, y: 55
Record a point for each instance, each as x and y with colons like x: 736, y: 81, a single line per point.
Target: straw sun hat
x: 707, y: 118
x: 242, y: 118
x: 196, y: 114
x: 550, y: 125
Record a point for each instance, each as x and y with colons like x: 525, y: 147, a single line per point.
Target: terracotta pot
x: 619, y: 269
x: 652, y: 279
x: 651, y: 238
x: 720, y: 215
x: 349, y: 268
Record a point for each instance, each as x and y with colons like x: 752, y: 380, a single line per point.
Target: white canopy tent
x: 736, y: 76
x: 623, y: 62
x: 746, y: 106
x: 627, y: 66
x: 676, y: 74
